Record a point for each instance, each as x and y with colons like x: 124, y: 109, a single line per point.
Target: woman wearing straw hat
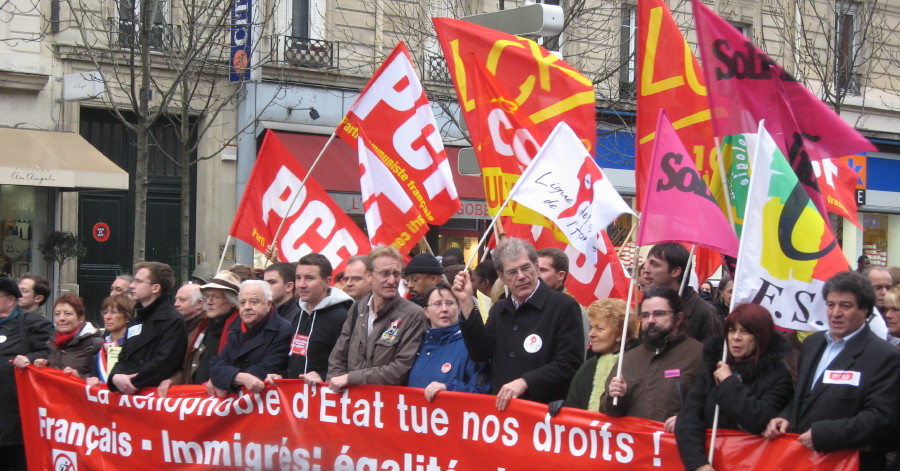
x: 222, y: 306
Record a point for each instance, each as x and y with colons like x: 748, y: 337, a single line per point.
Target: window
x: 307, y: 19
x: 745, y: 28
x: 846, y: 48
x: 628, y: 53
x: 303, y: 43
x: 129, y: 21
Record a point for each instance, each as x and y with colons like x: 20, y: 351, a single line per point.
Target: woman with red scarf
x: 76, y: 342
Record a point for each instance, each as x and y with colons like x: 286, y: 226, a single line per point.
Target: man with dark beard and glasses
x: 657, y: 374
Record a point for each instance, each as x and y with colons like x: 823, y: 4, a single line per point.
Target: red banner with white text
x: 68, y: 425
x: 314, y: 222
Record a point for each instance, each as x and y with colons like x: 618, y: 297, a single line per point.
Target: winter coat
x: 289, y: 310
x: 701, y: 319
x: 37, y: 331
x: 79, y: 353
x: 843, y: 415
x: 747, y: 401
x: 154, y: 347
x: 658, y: 381
x: 315, y: 331
x: 264, y: 353
x: 443, y: 358
x: 541, y: 342
x: 385, y: 355
x: 586, y: 385
x: 212, y: 339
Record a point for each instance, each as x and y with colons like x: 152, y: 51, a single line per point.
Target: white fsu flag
x: 564, y: 184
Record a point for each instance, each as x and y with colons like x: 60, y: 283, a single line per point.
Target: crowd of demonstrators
x: 750, y: 387
x: 383, y: 331
x: 607, y: 323
x: 443, y: 363
x: 236, y: 332
x: 534, y: 338
x: 658, y: 374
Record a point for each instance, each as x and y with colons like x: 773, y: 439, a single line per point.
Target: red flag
x: 397, y: 118
x: 838, y: 183
x: 314, y: 223
x: 669, y: 78
x: 747, y: 86
x: 392, y: 217
x: 674, y: 184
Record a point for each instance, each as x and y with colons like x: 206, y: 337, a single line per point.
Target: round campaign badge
x: 533, y: 343
x: 446, y: 367
x: 2, y: 338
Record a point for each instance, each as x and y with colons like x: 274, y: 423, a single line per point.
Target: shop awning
x: 55, y: 159
x: 339, y: 168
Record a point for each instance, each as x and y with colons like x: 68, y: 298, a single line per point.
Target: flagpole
x: 302, y: 184
x: 634, y: 264
x: 224, y: 250
x: 687, y: 269
x: 627, y: 238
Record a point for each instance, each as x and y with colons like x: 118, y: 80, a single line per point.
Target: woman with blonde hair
x: 607, y: 317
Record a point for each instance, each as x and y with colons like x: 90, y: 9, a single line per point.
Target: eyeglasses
x: 656, y: 314
x: 215, y: 297
x: 524, y: 269
x: 253, y: 302
x: 110, y: 312
x: 388, y: 273
x: 438, y: 304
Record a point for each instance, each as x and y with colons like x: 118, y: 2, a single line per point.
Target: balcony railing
x: 849, y: 82
x: 125, y: 34
x: 436, y: 69
x: 311, y: 53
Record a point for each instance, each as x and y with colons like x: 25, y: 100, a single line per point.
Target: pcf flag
x: 565, y: 184
x: 838, y: 184
x: 313, y: 223
x: 787, y: 250
x: 673, y: 186
x: 392, y: 218
x: 396, y: 115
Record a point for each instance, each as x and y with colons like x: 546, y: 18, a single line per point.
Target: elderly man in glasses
x: 534, y: 337
x: 658, y: 374
x: 381, y: 336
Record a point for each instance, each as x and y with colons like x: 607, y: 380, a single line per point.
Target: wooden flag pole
x: 224, y: 250
x: 634, y: 264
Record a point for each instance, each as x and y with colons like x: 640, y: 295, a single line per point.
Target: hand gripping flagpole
x: 634, y: 274
x: 302, y: 184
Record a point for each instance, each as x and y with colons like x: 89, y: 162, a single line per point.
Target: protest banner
x: 395, y: 114
x: 68, y: 425
x: 313, y: 223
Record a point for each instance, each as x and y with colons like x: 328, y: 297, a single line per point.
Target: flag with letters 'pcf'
x: 565, y: 185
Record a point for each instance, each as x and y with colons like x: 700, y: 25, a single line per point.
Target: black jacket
x: 264, y: 353
x: 154, y: 347
x: 844, y: 416
x: 745, y: 404
x: 38, y: 331
x: 322, y: 327
x: 211, y: 344
x: 548, y: 369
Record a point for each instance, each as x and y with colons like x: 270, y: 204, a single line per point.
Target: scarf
x: 247, y: 334
x: 63, y: 339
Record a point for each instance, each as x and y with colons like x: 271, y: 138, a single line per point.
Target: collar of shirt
x: 516, y: 304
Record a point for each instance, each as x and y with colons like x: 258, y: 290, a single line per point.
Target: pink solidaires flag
x: 678, y: 206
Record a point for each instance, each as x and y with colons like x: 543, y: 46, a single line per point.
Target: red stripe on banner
x: 295, y: 427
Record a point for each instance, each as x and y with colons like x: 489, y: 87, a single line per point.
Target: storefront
x: 35, y: 168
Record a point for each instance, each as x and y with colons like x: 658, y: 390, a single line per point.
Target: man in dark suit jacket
x: 848, y: 386
x: 156, y: 338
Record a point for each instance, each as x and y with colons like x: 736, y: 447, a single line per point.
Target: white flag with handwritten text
x: 565, y: 184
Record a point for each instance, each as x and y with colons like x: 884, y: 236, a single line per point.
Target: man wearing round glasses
x: 381, y: 336
x: 535, y: 337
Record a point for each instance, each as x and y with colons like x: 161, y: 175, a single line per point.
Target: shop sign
x: 352, y: 203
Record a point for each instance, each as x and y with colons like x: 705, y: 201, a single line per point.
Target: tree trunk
x: 184, y: 160
x: 141, y: 170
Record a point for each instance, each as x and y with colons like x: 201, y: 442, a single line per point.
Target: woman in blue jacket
x: 443, y: 362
